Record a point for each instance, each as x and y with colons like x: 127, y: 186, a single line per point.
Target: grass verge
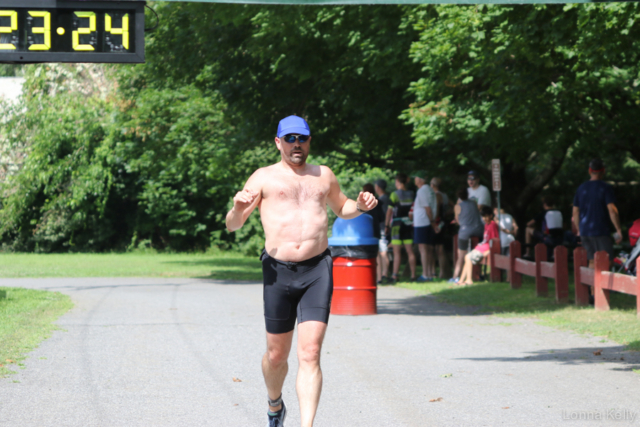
x: 619, y: 324
x: 222, y: 265
x: 26, y: 319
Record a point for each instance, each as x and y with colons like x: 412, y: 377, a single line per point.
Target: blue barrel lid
x: 353, y: 232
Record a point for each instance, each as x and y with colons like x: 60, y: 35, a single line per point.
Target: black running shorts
x: 296, y: 289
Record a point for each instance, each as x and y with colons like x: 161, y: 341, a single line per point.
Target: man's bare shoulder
x: 257, y: 178
x: 326, y: 171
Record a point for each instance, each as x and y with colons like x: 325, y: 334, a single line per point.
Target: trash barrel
x: 354, y: 250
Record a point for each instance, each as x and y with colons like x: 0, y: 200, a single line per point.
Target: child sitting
x: 482, y: 250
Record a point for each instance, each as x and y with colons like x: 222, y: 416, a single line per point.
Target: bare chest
x: 302, y: 192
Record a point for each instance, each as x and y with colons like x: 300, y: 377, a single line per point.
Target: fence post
x: 542, y: 284
x: 561, y: 274
x: 582, y: 290
x: 496, y: 273
x: 600, y: 295
x: 475, y: 272
x: 514, y: 252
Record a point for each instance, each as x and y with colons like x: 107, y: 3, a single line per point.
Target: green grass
x: 26, y: 319
x: 221, y: 265
x: 619, y: 324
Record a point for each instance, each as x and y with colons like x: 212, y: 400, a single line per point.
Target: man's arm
x: 244, y: 203
x: 615, y: 219
x: 576, y: 218
x: 429, y: 215
x: 344, y: 207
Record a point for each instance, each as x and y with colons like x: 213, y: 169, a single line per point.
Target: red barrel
x: 354, y: 286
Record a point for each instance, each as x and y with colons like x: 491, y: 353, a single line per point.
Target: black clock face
x: 72, y: 32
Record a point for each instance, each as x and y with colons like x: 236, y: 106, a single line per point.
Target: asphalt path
x: 165, y: 352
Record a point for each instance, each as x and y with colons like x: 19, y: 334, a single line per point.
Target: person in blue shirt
x: 593, y: 206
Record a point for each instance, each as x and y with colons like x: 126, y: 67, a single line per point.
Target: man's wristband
x: 358, y: 208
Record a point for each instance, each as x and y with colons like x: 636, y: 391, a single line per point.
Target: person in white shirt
x: 424, y: 211
x: 508, y: 230
x: 478, y: 193
x: 445, y: 208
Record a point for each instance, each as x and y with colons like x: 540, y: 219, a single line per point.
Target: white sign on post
x: 495, y: 173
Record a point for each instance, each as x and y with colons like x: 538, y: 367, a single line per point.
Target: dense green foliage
x: 121, y: 157
x: 544, y: 88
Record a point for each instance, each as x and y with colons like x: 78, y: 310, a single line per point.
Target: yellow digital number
x: 84, y: 30
x: 13, y: 26
x: 124, y: 31
x: 46, y: 30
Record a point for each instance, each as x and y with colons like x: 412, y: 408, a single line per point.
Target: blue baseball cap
x: 293, y: 124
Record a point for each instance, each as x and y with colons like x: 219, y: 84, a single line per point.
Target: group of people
x: 404, y: 218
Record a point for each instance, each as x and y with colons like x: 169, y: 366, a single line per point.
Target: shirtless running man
x: 297, y: 266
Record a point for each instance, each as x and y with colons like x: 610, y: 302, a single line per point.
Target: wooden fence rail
x: 602, y: 280
x: 540, y: 269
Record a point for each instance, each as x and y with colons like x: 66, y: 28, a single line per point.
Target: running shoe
x: 424, y: 279
x: 277, y: 419
x: 453, y: 280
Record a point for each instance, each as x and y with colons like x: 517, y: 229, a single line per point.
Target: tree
x: 527, y: 84
x: 345, y: 68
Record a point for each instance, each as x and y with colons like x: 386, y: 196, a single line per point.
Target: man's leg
x: 309, y: 381
x: 396, y: 259
x: 442, y: 261
x: 412, y: 259
x: 431, y: 262
x: 275, y: 365
x: 422, y: 247
x: 385, y: 263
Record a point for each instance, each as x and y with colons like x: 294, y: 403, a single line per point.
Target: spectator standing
x: 482, y: 250
x: 478, y: 193
x: 443, y: 210
x: 470, y: 222
x: 593, y: 206
x: 400, y: 225
x: 508, y: 230
x: 424, y: 211
x: 380, y: 187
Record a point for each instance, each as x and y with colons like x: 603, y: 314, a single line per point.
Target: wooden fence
x: 602, y: 280
x: 540, y: 269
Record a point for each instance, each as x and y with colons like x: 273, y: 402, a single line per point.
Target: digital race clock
x: 71, y: 31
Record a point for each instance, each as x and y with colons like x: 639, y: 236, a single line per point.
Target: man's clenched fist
x: 366, y: 201
x: 244, y: 198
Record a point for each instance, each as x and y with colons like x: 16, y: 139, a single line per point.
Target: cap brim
x: 294, y: 130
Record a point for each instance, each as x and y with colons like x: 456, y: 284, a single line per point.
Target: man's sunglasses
x: 290, y: 138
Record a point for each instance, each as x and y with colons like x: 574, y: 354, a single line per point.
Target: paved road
x: 164, y: 352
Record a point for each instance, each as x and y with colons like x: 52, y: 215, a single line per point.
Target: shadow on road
x: 423, y: 305
x: 626, y: 360
x: 238, y: 270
